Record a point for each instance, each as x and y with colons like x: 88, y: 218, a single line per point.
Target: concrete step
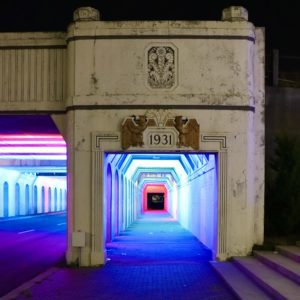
x: 275, y: 284
x: 239, y: 283
x: 280, y: 263
x: 292, y: 252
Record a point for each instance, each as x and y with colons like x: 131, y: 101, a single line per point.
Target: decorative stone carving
x: 188, y: 132
x: 132, y: 131
x: 161, y: 67
x: 235, y: 13
x: 99, y: 137
x: 86, y: 14
x: 160, y: 116
x: 175, y: 132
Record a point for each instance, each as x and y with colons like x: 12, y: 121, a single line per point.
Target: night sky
x: 280, y: 18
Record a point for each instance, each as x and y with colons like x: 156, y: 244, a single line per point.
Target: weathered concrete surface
x: 99, y: 76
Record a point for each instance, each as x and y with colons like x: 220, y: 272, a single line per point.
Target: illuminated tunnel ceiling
x: 157, y: 168
x: 32, y: 144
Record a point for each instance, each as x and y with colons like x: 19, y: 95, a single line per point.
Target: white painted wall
x: 173, y: 200
x: 198, y: 203
x: 124, y: 193
x: 13, y: 178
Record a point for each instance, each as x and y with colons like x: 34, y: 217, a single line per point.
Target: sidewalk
x: 154, y: 259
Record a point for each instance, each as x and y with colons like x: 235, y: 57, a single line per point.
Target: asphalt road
x: 29, y: 246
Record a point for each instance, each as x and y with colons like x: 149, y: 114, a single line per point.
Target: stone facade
x: 100, y: 73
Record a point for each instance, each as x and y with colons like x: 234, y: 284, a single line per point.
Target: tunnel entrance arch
x: 184, y: 185
x: 106, y: 143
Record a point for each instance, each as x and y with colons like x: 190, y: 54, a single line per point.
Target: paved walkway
x: 154, y: 259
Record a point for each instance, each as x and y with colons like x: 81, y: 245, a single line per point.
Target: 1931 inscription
x: 160, y: 139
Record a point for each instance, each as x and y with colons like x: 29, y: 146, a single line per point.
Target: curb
x: 25, y: 287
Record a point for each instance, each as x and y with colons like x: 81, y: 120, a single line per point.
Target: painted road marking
x: 26, y: 231
x: 59, y: 224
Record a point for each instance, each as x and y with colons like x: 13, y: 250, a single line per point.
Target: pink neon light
x: 43, y: 146
x: 34, y: 156
x: 30, y: 136
x: 35, y: 142
x: 43, y: 150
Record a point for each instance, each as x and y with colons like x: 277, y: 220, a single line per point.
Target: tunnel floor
x: 156, y: 238
x: 154, y: 259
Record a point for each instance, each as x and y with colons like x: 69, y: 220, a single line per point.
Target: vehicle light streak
x: 26, y: 231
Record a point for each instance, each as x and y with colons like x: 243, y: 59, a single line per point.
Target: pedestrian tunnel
x: 185, y: 185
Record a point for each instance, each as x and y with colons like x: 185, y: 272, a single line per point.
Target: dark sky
x: 280, y: 18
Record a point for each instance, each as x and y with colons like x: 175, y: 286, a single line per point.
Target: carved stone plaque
x: 173, y: 133
x: 161, y: 67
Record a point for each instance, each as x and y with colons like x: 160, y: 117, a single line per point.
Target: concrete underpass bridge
x: 163, y: 115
